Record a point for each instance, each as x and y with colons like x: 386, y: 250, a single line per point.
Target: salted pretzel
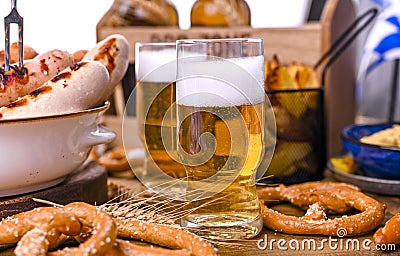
x: 38, y: 230
x: 13, y: 228
x: 101, y: 226
x: 114, y: 159
x: 390, y: 233
x: 320, y: 198
x: 48, y: 226
x: 45, y: 228
x: 37, y: 241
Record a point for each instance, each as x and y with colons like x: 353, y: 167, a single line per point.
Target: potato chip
x: 290, y: 77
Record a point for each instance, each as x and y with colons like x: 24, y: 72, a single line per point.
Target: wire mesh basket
x: 300, y: 136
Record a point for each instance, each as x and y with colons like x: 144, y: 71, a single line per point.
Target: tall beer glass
x: 155, y: 65
x: 220, y: 115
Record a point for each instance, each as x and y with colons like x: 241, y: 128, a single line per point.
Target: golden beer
x: 238, y: 202
x: 156, y: 116
x: 155, y: 111
x: 220, y: 117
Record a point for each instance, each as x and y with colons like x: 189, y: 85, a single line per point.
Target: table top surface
x: 269, y: 242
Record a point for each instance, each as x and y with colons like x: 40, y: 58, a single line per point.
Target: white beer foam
x: 157, y: 66
x: 221, y: 82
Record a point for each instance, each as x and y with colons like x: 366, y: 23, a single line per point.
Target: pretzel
x: 390, y: 233
x: 52, y: 223
x: 37, y: 241
x: 13, y: 228
x: 164, y: 235
x: 101, y: 226
x: 322, y: 197
x: 114, y: 159
x: 43, y: 229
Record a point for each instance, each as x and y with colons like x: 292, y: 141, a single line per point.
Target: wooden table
x: 272, y: 243
x: 266, y: 243
x: 312, y: 245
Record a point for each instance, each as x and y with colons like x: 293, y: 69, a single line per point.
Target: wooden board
x: 87, y: 184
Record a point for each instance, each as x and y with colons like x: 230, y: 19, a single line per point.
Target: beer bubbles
x: 220, y: 118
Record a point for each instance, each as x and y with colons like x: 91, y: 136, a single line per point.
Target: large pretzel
x: 42, y: 229
x: 13, y: 228
x: 97, y: 225
x: 321, y: 197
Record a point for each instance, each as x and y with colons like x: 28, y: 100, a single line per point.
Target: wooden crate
x: 301, y: 44
x: 304, y: 44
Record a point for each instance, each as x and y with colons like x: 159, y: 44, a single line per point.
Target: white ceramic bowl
x: 36, y: 153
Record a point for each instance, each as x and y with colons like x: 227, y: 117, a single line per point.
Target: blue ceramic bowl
x: 376, y: 161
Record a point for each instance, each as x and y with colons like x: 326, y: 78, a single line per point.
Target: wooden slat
x: 301, y: 44
x: 340, y: 81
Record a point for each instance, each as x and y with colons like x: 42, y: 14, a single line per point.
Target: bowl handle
x: 101, y: 135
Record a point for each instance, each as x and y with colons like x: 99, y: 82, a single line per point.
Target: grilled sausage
x: 76, y: 88
x: 29, y: 53
x: 112, y: 52
x: 78, y: 55
x: 18, y: 82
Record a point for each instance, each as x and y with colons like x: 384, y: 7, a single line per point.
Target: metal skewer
x: 13, y: 17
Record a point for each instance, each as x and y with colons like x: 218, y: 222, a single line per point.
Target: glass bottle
x: 220, y: 13
x: 173, y: 13
x: 142, y: 13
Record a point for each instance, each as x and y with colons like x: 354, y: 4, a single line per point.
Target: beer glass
x: 155, y: 69
x: 220, y: 115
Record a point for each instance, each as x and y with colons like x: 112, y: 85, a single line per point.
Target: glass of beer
x: 220, y: 118
x: 155, y: 69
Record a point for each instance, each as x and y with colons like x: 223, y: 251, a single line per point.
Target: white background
x: 71, y: 24
x: 63, y: 24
